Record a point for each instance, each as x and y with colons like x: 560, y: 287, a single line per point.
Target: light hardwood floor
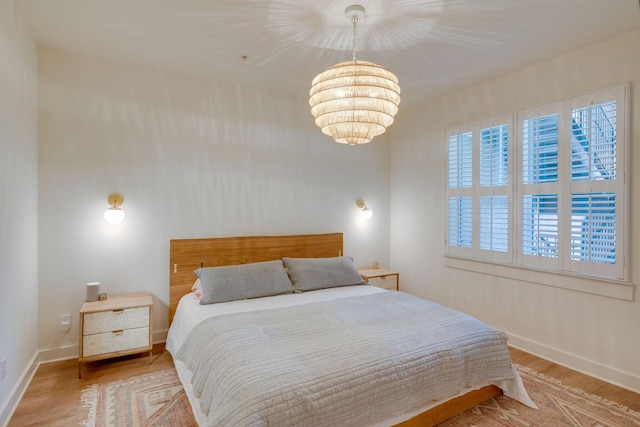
x: 576, y: 379
x: 53, y: 397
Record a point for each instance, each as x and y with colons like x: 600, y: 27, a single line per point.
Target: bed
x: 324, y: 354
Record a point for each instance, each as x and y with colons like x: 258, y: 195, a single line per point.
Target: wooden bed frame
x: 187, y: 255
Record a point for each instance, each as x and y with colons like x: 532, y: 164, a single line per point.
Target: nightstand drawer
x: 118, y: 340
x: 114, y: 320
x: 387, y: 282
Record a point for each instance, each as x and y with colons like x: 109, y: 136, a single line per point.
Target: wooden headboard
x: 187, y: 255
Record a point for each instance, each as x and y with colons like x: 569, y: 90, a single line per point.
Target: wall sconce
x: 114, y: 214
x: 365, y: 212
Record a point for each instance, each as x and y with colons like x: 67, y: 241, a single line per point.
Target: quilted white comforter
x: 351, y: 361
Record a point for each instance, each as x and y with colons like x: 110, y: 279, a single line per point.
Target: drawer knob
x: 118, y: 311
x: 120, y: 332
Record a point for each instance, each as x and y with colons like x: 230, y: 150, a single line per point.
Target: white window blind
x: 460, y: 160
x: 494, y: 155
x: 460, y: 221
x: 540, y: 186
x: 459, y: 195
x: 540, y: 225
x: 593, y: 228
x: 494, y: 223
x: 593, y: 142
x: 597, y: 190
x: 562, y: 171
x: 540, y: 149
x: 478, y: 200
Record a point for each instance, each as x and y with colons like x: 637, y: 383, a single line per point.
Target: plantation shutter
x: 541, y: 209
x: 546, y: 190
x: 596, y: 189
x: 494, y: 201
x: 459, y: 192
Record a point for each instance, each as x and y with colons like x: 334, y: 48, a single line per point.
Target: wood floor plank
x: 53, y: 397
x: 576, y: 379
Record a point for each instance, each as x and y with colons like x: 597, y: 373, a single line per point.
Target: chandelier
x: 354, y: 101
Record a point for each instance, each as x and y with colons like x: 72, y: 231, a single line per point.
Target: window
x: 543, y: 187
x: 494, y: 181
x: 460, y: 182
x: 540, y: 183
x: 479, y: 202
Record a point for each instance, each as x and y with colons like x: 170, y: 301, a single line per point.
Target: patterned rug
x: 558, y: 405
x: 148, y: 400
x: 159, y: 400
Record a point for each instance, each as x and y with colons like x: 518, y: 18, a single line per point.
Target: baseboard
x: 47, y: 356
x: 577, y: 363
x: 9, y: 407
x: 71, y: 352
x: 56, y: 354
x: 160, y: 336
x: 42, y: 356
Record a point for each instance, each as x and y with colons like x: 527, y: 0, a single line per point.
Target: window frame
x: 557, y: 187
x: 563, y: 265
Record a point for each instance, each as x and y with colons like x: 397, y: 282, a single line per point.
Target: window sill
x: 588, y: 284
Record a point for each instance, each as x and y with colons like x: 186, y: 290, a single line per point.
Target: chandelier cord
x: 354, y: 20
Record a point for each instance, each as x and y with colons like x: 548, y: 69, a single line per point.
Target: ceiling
x: 431, y: 45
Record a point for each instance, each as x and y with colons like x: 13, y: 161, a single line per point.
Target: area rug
x: 148, y: 400
x: 558, y: 405
x: 159, y: 400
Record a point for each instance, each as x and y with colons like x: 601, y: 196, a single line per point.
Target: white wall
x: 18, y: 202
x: 192, y: 158
x: 595, y: 334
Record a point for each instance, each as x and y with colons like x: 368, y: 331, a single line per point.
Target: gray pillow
x: 308, y: 274
x: 236, y: 282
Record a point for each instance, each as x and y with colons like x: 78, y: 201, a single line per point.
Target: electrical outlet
x: 3, y: 368
x: 64, y: 322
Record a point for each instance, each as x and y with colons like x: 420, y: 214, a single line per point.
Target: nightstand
x: 117, y: 326
x: 381, y: 278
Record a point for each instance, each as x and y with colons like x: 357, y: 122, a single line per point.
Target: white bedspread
x: 354, y: 360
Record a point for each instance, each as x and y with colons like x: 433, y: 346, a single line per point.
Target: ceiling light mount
x: 354, y: 11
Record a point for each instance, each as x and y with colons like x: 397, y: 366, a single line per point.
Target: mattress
x: 305, y: 380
